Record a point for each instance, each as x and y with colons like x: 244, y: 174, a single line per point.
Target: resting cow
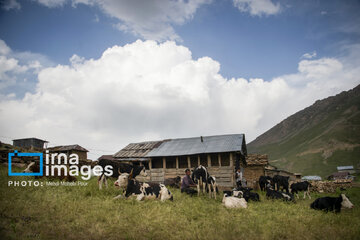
x: 173, y: 182
x: 263, y: 181
x: 332, y: 203
x: 273, y: 194
x: 299, y: 187
x: 119, y: 168
x: 243, y: 193
x: 234, y: 202
x: 281, y: 181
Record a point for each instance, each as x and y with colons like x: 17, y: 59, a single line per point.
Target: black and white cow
x: 244, y: 192
x: 204, y: 181
x: 119, y: 168
x: 212, y: 186
x: 273, y: 194
x: 144, y: 191
x: 299, y: 187
x: 263, y: 181
x: 281, y: 181
x: 332, y: 203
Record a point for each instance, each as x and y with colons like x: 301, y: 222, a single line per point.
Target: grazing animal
x: 247, y: 194
x: 332, y: 203
x: 263, y: 181
x: 299, y: 187
x: 273, y: 194
x: 173, y: 182
x: 234, y: 202
x: 119, y: 168
x: 281, y: 181
x: 35, y: 167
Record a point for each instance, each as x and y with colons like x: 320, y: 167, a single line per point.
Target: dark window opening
x: 193, y: 161
x: 214, y: 160
x: 146, y: 165
x: 225, y: 159
x: 203, y: 160
x: 183, y: 162
x: 171, y: 162
x: 157, y: 163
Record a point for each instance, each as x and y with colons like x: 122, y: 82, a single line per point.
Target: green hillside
x: 315, y: 140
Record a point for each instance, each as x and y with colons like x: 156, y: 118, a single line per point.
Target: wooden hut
x: 169, y: 158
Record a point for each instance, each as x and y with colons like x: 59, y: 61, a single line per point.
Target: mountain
x: 317, y: 139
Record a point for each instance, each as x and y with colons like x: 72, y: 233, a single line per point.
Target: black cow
x: 273, y: 194
x: 146, y: 190
x: 332, y: 203
x: 263, y: 181
x: 299, y: 187
x: 173, y: 182
x: 281, y: 181
x: 119, y: 168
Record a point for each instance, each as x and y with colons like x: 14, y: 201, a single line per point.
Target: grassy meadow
x: 84, y: 212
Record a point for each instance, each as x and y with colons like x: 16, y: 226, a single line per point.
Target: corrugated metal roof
x: 345, y: 167
x: 30, y: 139
x: 190, y: 146
x: 137, y: 150
x: 311, y: 178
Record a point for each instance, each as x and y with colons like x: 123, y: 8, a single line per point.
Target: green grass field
x: 84, y: 212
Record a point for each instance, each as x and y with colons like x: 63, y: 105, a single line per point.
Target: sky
x: 104, y: 73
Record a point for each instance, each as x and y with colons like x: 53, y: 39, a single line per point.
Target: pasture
x: 84, y: 212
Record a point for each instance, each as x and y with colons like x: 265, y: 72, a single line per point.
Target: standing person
x: 238, y: 177
x: 188, y: 184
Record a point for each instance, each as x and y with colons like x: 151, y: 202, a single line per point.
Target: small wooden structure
x: 169, y: 158
x: 30, y: 143
x: 69, y: 149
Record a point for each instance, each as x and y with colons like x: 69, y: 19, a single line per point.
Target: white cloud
x: 10, y: 4
x: 148, y: 91
x: 258, y: 7
x: 52, y: 3
x: 149, y: 19
x: 309, y: 55
x: 17, y: 66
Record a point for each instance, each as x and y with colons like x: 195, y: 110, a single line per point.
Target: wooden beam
x: 231, y: 160
x: 177, y: 162
x: 150, y: 164
x: 209, y: 160
x: 198, y: 160
x: 219, y: 159
x: 188, y: 160
x: 164, y: 163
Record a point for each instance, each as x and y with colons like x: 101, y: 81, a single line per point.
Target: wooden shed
x: 30, y: 143
x: 69, y: 149
x: 169, y: 158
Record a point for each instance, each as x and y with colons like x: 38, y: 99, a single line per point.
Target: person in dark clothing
x: 188, y: 184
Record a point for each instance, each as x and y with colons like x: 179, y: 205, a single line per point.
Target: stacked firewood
x: 330, y: 186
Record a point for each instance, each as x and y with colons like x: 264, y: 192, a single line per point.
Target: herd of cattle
x: 276, y: 188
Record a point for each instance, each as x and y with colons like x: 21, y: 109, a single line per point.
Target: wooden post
x: 209, y: 160
x: 188, y: 159
x: 177, y: 162
x: 150, y: 164
x: 231, y: 160
x: 198, y: 160
x: 164, y: 163
x: 219, y: 158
